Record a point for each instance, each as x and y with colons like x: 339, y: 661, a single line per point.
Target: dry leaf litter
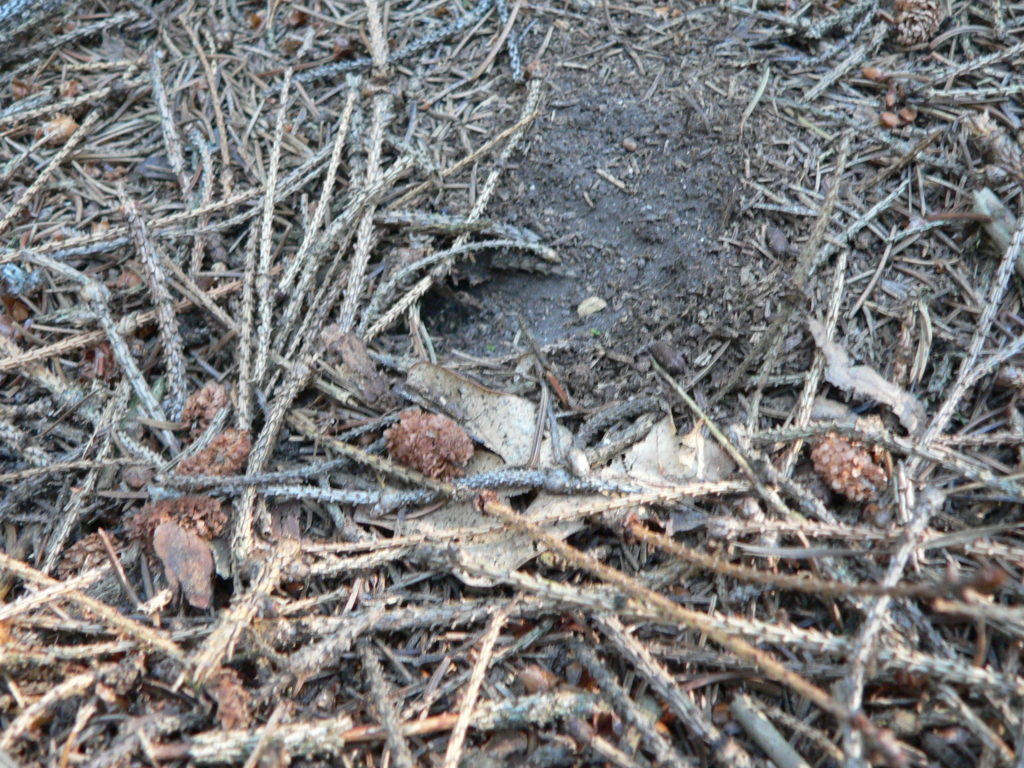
x: 310, y: 459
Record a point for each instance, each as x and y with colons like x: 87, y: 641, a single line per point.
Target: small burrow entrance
x: 632, y: 180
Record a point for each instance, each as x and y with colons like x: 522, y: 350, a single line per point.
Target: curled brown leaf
x: 202, y: 406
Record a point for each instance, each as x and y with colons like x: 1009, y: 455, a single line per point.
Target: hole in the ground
x: 632, y: 193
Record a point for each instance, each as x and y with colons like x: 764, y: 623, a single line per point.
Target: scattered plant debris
x: 250, y: 253
x: 202, y: 406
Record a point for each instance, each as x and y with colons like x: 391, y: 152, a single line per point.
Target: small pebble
x: 777, y: 241
x: 591, y: 306
x: 629, y: 144
x: 577, y: 461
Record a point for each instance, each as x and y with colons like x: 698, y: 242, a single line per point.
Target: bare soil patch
x: 643, y: 237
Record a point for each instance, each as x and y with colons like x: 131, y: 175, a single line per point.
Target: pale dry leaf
x: 998, y: 145
x: 865, y: 381
x: 187, y: 563
x: 1010, y: 377
x: 1001, y: 225
x: 504, y: 554
x: 666, y: 458
x: 826, y: 409
x: 59, y: 130
x: 503, y: 423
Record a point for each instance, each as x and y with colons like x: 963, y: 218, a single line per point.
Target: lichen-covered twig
x: 206, y: 185
x: 168, y: 123
x: 627, y: 709
x: 426, y: 41
x: 331, y: 736
x: 97, y: 297
x: 117, y: 623
x: 24, y: 722
x: 484, y: 657
x: 398, y: 747
x: 301, y: 265
x: 232, y: 621
x: 167, y: 322
x: 83, y: 490
x: 763, y: 661
x: 55, y: 162
x: 533, y: 98
x: 264, y: 292
x: 725, y: 751
x: 365, y: 236
x: 764, y: 733
x: 18, y: 16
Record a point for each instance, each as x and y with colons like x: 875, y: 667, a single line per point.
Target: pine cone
x: 202, y: 406
x: 86, y: 553
x: 201, y: 515
x: 226, y: 454
x: 432, y: 444
x: 848, y: 469
x: 917, y: 21
x: 999, y: 147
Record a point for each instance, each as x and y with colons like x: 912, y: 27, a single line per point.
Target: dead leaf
x: 866, y: 381
x: 187, y: 562
x: 826, y: 409
x: 665, y: 458
x: 503, y: 423
x: 358, y: 371
x: 662, y: 458
x: 504, y: 554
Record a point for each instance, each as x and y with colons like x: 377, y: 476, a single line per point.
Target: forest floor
x: 512, y: 382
